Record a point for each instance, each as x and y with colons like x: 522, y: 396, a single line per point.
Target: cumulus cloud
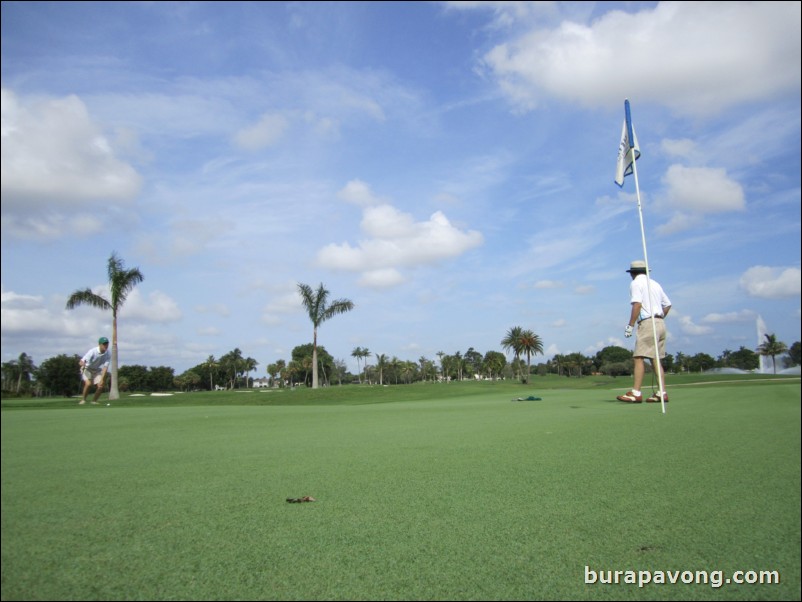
x: 53, y: 153
x: 56, y: 164
x: 693, y: 192
x: 702, y: 190
x: 358, y: 193
x: 592, y: 63
x: 156, y: 307
x: 395, y: 240
x: 772, y: 283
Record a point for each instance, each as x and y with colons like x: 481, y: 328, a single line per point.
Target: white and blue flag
x: 628, y: 150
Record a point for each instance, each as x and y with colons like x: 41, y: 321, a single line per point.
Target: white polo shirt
x: 638, y: 293
x: 95, y: 360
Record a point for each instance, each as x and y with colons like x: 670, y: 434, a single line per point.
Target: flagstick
x: 658, y: 363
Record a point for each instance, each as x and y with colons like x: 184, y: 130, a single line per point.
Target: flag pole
x: 658, y: 364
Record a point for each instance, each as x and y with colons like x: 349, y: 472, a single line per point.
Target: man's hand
x: 628, y: 331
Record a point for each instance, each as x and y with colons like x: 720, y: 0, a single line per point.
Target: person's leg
x: 635, y: 395
x: 639, y: 371
x: 98, y: 390
x: 660, y: 375
x: 87, y: 384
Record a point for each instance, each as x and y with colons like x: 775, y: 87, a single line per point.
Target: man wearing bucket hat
x: 649, y: 306
x: 94, y: 365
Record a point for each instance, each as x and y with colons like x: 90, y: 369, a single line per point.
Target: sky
x: 446, y: 166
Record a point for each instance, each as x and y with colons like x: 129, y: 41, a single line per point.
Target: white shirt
x: 638, y: 293
x: 95, y: 360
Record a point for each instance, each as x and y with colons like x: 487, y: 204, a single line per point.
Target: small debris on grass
x: 298, y: 500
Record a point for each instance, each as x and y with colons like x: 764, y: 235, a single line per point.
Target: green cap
x: 103, y: 340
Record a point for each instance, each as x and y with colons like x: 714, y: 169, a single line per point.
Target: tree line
x: 311, y: 364
x: 59, y: 375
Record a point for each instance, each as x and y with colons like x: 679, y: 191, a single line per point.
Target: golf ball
x: 108, y: 404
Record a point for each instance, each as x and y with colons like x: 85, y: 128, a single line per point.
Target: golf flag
x: 627, y: 149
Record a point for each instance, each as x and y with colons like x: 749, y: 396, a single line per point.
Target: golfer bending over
x: 94, y: 365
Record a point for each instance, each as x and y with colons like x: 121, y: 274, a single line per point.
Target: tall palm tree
x: 357, y: 353
x: 512, y: 342
x: 249, y: 364
x: 772, y: 347
x: 121, y: 282
x: 26, y: 368
x: 530, y: 344
x: 316, y: 304
x: 211, y: 364
x: 365, y: 356
x: 381, y: 362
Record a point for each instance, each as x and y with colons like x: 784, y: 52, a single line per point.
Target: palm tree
x: 249, y: 364
x: 530, y: 344
x: 121, y: 282
x: 211, y: 364
x: 773, y: 348
x: 365, y: 354
x: 512, y: 342
x: 319, y: 311
x: 26, y: 367
x: 381, y: 362
x: 357, y: 353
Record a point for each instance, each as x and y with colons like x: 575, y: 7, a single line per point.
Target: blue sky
x: 448, y: 167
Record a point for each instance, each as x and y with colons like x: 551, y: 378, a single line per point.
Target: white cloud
x: 266, y: 132
x: 702, y: 190
x: 395, y: 240
x: 382, y: 278
x: 638, y: 53
x: 54, y: 155
x: 771, y: 283
x: 286, y: 300
x: 156, y: 307
x: 358, y: 193
x: 687, y: 326
x: 678, y: 148
x: 547, y: 284
x: 679, y: 222
x: 745, y: 315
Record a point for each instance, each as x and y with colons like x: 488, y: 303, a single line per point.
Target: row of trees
x: 60, y: 376
x: 309, y: 362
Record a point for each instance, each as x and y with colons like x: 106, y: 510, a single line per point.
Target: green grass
x: 448, y: 492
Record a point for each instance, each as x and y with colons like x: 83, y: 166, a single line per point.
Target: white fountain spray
x: 761, y: 338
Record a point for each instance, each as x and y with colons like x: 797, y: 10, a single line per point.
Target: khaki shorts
x: 644, y: 345
x: 92, y: 377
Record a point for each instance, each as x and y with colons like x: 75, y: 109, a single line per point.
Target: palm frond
x: 87, y: 297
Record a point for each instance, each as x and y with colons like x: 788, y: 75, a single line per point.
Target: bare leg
x: 87, y: 385
x: 639, y: 371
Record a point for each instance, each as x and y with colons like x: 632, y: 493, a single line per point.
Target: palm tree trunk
x: 314, y: 360
x: 114, y: 391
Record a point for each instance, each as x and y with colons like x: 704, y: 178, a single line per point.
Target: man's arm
x: 635, y: 314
